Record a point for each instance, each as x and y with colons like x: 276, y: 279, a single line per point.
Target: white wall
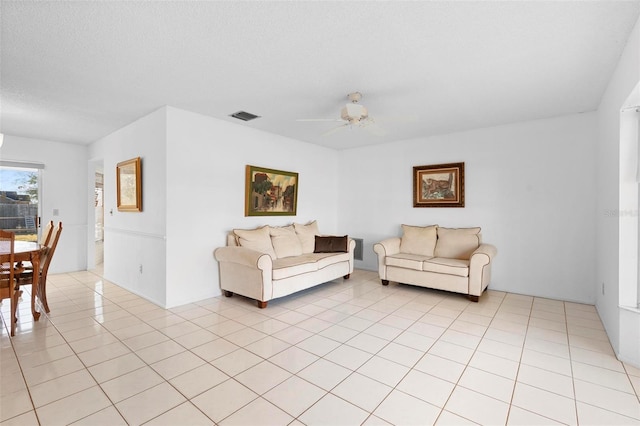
x: 193, y: 195
x: 63, y: 188
x: 133, y: 239
x: 530, y: 186
x: 206, y: 186
x: 620, y: 325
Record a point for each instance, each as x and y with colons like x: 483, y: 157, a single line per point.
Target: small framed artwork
x: 439, y: 185
x: 129, y: 185
x: 270, y: 192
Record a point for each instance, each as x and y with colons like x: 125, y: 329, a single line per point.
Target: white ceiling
x: 77, y: 71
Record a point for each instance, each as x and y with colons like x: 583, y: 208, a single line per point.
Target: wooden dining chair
x: 26, y: 277
x: 46, y: 233
x: 9, y: 288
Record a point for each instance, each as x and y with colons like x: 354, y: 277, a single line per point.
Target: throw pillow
x: 419, y: 240
x: 331, y: 244
x: 457, y: 243
x: 306, y: 234
x: 285, y: 241
x: 256, y: 239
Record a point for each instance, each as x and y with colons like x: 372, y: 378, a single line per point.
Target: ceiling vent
x: 244, y: 116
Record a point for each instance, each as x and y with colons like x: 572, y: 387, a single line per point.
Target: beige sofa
x: 441, y: 258
x: 271, y: 262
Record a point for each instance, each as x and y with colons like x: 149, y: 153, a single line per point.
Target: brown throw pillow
x: 331, y: 244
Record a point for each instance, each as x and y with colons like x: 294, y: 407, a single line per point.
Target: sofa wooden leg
x: 385, y: 282
x: 262, y: 304
x: 227, y: 293
x: 474, y: 298
x: 346, y: 277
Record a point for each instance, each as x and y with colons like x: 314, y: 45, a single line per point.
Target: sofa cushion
x: 307, y: 235
x: 443, y: 265
x: 457, y: 243
x: 406, y: 260
x: 331, y: 244
x: 295, y: 265
x: 419, y: 240
x: 256, y: 239
x: 327, y: 259
x: 285, y: 241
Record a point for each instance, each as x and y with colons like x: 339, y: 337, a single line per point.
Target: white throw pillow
x: 307, y: 235
x: 457, y: 243
x: 285, y: 241
x: 256, y: 239
x: 419, y: 240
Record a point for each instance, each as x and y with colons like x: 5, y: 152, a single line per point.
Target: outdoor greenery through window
x: 19, y: 201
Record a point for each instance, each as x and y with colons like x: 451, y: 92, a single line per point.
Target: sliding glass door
x: 19, y: 199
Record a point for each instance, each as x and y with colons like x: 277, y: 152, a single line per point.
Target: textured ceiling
x: 77, y: 71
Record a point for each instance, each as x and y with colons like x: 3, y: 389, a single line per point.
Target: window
x: 19, y: 199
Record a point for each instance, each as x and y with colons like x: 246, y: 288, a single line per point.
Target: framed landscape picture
x: 439, y: 185
x: 270, y: 192
x: 129, y: 185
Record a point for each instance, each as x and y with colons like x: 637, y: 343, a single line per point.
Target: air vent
x: 244, y: 116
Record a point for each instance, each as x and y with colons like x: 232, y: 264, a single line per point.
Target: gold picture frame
x: 129, y: 185
x: 438, y: 185
x: 270, y: 192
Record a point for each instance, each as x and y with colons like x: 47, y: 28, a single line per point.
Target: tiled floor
x: 347, y: 352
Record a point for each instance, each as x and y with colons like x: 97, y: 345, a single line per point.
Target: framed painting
x: 129, y: 185
x: 270, y: 192
x: 439, y: 185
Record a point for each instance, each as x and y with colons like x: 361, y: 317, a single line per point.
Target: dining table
x: 29, y: 251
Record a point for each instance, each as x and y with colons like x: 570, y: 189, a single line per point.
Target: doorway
x: 99, y: 218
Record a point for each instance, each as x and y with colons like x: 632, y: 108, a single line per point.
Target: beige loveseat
x: 271, y: 262
x: 441, y: 258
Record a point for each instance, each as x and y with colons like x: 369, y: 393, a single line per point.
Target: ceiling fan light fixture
x: 354, y: 112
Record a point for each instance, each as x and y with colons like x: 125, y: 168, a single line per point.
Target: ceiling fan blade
x: 373, y: 128
x: 335, y: 129
x: 318, y: 119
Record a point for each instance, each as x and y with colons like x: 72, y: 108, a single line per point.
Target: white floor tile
x: 546, y: 380
x: 236, y: 362
x: 294, y: 395
x: 426, y: 387
x: 324, y: 374
x: 591, y: 415
x: 362, y: 391
x: 130, y: 384
x: 185, y: 413
x: 602, y: 377
x: 223, y: 400
x: 176, y: 365
x: 108, y: 416
x: 384, y: 371
x: 400, y: 408
x: 331, y: 410
x: 488, y: 384
x: 447, y: 418
x: 150, y: 403
x: 440, y: 367
x: 259, y: 412
x: 293, y: 359
x: 52, y: 390
x: 353, y: 342
x: 544, y: 403
x: 477, y: 407
x: 611, y: 399
x: 73, y: 407
x: 262, y: 377
x: 198, y: 380
x: 520, y: 417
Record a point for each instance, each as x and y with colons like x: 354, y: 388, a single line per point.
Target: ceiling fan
x: 352, y: 114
